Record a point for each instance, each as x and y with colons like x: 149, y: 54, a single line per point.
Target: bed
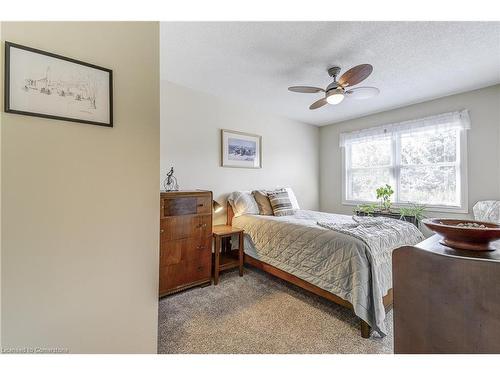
x: 334, y: 265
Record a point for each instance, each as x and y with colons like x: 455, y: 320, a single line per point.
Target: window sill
x: 428, y: 208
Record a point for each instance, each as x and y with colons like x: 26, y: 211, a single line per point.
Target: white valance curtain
x: 450, y: 120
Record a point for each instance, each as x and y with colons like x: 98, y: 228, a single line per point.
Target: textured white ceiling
x: 255, y: 62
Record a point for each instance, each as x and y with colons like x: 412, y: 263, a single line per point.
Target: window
x: 423, y: 160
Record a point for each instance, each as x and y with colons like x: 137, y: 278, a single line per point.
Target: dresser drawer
x: 204, y: 225
x: 179, y: 227
x: 180, y: 206
x: 204, y: 205
x: 184, y: 273
x: 188, y: 249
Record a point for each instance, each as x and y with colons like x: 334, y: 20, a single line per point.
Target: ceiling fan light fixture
x: 335, y: 96
x: 339, y: 89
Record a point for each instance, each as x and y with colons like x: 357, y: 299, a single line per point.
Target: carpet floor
x: 258, y: 313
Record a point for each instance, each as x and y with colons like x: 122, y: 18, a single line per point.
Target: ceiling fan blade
x: 318, y: 103
x: 305, y: 89
x: 362, y: 92
x: 355, y: 75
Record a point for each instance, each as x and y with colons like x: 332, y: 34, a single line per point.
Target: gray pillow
x: 280, y: 203
x: 263, y: 202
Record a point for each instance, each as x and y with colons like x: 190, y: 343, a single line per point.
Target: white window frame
x: 462, y: 180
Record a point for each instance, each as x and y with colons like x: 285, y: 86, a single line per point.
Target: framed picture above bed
x: 240, y: 150
x: 43, y: 84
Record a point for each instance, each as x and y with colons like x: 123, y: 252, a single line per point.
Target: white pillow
x: 243, y: 203
x: 293, y: 198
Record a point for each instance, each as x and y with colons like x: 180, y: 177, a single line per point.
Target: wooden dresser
x: 185, y: 240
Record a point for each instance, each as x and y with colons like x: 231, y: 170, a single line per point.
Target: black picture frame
x: 7, y: 101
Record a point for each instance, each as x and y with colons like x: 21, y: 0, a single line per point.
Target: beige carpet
x: 258, y: 313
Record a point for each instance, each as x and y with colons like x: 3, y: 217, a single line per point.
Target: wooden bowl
x: 467, y: 238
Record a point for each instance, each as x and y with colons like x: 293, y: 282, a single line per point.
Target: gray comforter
x: 334, y: 255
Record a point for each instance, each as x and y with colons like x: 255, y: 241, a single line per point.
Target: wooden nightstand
x: 226, y: 258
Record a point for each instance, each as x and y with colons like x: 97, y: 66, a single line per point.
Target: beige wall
x: 483, y: 144
x: 190, y: 141
x: 80, y: 213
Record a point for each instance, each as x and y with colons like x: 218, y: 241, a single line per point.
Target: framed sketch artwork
x: 241, y: 150
x: 43, y: 84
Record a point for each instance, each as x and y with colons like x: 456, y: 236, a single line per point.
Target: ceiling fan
x: 336, y: 91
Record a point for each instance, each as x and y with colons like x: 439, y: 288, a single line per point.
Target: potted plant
x: 366, y: 209
x: 384, y: 194
x: 415, y: 210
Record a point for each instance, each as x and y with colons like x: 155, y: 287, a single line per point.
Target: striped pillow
x: 280, y: 203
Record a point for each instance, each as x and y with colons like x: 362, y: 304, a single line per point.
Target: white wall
x: 190, y: 141
x: 80, y: 203
x: 483, y: 144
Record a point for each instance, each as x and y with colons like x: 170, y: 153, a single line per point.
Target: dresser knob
x: 161, y: 231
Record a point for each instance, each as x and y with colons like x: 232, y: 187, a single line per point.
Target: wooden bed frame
x: 365, y: 328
